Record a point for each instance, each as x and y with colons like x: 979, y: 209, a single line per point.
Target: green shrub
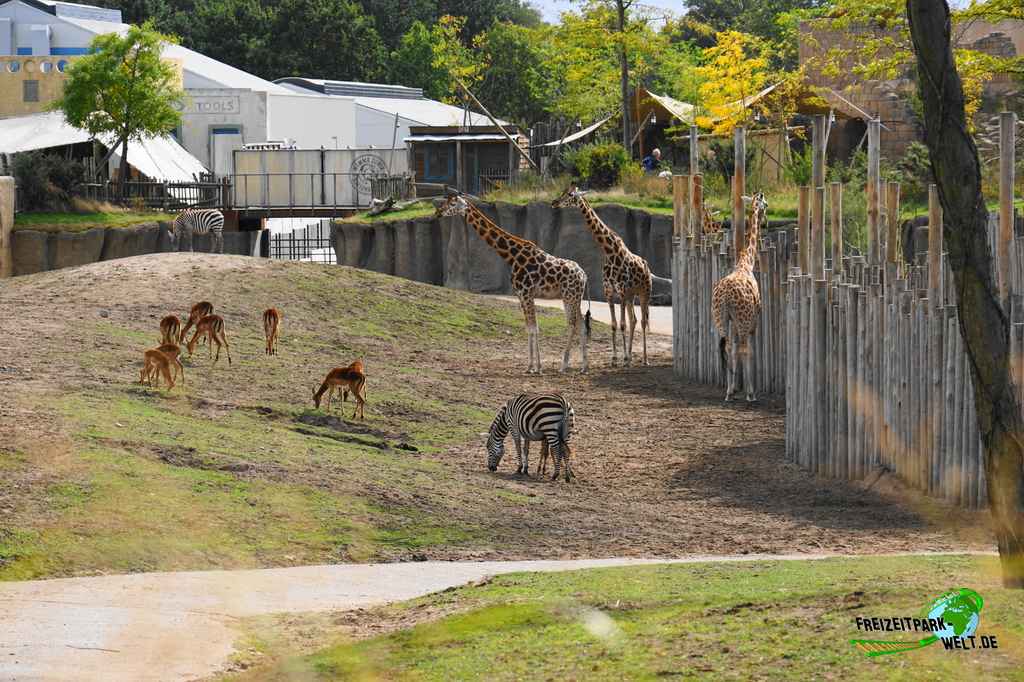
x: 45, y: 181
x: 797, y: 169
x: 600, y: 164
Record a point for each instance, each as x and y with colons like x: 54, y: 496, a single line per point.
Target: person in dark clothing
x: 653, y: 161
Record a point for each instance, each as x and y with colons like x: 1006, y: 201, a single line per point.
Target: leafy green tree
x: 412, y: 63
x: 231, y: 31
x: 516, y: 78
x: 124, y: 90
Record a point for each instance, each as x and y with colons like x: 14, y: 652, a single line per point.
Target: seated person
x: 651, y: 162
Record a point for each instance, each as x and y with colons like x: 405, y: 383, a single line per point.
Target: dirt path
x: 661, y: 317
x: 179, y: 626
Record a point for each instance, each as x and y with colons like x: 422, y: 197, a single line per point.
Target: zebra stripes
x: 193, y: 221
x: 545, y: 417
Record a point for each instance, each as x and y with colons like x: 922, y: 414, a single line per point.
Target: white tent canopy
x: 158, y: 158
x: 577, y: 135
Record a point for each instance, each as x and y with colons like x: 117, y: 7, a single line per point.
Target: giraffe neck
x: 505, y: 244
x: 605, y: 237
x: 749, y: 254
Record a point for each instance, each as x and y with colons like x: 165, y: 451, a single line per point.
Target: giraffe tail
x: 586, y: 317
x: 722, y: 355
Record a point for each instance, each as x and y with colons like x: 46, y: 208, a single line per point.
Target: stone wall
x: 35, y: 251
x: 447, y: 252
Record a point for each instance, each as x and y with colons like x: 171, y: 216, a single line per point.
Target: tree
x: 983, y: 322
x: 736, y: 68
x: 412, y: 63
x: 123, y: 90
x: 516, y: 78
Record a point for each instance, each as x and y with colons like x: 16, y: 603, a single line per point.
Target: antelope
x: 212, y: 327
x: 271, y: 326
x: 198, y: 312
x: 346, y: 379
x: 170, y: 329
x: 156, y: 364
x: 172, y: 351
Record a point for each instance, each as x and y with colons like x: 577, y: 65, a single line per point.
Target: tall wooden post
x: 803, y: 222
x: 818, y: 233
x: 680, y: 205
x: 892, y: 212
x: 818, y: 152
x: 7, y: 199
x: 739, y: 186
x: 1007, y: 125
x: 694, y: 151
x: 836, y: 206
x: 934, y: 247
x: 874, y: 171
x: 697, y: 204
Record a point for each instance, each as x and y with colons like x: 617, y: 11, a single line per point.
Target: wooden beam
x: 739, y: 184
x: 1007, y: 125
x: 874, y: 160
x: 504, y: 132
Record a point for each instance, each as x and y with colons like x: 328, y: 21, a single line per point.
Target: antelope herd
x: 164, y: 360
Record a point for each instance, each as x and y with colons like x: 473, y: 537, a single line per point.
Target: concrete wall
x: 312, y: 121
x: 209, y: 108
x: 34, y: 251
x: 447, y: 252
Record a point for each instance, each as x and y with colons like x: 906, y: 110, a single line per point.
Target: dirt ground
x: 663, y: 468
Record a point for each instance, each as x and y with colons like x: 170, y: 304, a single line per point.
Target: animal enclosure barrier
x: 866, y: 349
x: 311, y: 243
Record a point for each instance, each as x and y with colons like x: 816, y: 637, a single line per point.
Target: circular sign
x: 364, y: 167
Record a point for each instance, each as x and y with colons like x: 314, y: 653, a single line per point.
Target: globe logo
x: 959, y: 610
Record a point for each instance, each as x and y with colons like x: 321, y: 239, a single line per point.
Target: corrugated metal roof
x: 454, y: 138
x: 352, y: 88
x: 159, y: 158
x: 424, y: 112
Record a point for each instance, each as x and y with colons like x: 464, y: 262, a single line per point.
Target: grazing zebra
x: 545, y: 417
x: 193, y: 221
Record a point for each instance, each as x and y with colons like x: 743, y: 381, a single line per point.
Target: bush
x: 914, y: 172
x: 599, y: 165
x: 45, y: 181
x: 797, y: 169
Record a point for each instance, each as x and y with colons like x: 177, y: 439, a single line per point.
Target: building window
x: 30, y: 91
x: 435, y: 162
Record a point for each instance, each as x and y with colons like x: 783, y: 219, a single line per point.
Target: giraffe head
x: 454, y: 205
x: 573, y: 196
x: 758, y: 207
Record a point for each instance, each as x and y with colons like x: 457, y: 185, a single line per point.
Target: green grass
x: 80, y: 222
x: 738, y: 620
x: 235, y: 469
x: 419, y: 210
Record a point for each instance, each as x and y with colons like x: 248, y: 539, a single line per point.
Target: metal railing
x: 156, y: 194
x: 311, y: 243
x: 397, y: 187
x: 312, y: 190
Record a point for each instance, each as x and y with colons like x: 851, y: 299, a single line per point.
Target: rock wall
x: 447, y: 252
x: 35, y: 251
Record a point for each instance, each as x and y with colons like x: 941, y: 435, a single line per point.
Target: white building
x: 226, y: 107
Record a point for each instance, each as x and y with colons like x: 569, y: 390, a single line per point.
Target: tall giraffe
x: 626, y: 276
x: 535, y: 274
x: 736, y: 304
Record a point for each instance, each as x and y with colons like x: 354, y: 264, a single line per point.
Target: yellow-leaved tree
x: 735, y: 70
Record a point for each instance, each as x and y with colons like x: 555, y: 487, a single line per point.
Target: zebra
x: 193, y: 221
x: 546, y: 417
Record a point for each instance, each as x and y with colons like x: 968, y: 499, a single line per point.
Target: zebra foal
x: 545, y: 417
x: 193, y: 221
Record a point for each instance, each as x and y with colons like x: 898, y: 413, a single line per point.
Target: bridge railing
x: 312, y: 190
x: 156, y: 193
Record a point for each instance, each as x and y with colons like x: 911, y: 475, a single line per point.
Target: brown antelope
x: 198, y: 312
x: 170, y: 329
x: 155, y: 365
x: 271, y: 327
x: 212, y: 327
x: 172, y: 351
x: 346, y: 379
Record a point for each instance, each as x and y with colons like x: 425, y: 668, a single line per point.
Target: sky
x: 552, y: 8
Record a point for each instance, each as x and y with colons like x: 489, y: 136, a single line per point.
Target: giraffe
x: 736, y: 304
x: 626, y: 276
x: 535, y: 274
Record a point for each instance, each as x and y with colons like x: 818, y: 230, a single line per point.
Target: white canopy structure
x: 158, y: 158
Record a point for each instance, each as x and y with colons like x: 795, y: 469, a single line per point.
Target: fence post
x: 803, y: 221
x: 7, y: 198
x: 697, y: 205
x: 1007, y: 125
x: 694, y: 151
x: 680, y: 213
x: 836, y: 206
x: 935, y: 247
x: 739, y: 185
x: 874, y: 159
x: 818, y: 233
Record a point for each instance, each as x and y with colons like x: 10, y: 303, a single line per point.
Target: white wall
x: 208, y: 108
x: 63, y: 34
x: 312, y: 121
x: 374, y: 128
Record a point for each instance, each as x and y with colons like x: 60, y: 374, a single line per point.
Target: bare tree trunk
x: 983, y: 323
x: 624, y: 77
x: 123, y: 176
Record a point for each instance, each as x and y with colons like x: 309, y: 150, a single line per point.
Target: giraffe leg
x: 584, y: 339
x: 609, y: 296
x: 748, y: 368
x: 645, y: 322
x: 572, y: 323
x: 734, y: 343
x: 632, y: 329
x: 530, y: 313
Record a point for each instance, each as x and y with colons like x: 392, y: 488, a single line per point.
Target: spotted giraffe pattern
x: 709, y: 225
x: 626, y: 276
x: 535, y: 274
x: 736, y: 306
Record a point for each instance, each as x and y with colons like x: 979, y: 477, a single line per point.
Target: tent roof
x: 578, y: 134
x: 663, y: 107
x: 158, y: 158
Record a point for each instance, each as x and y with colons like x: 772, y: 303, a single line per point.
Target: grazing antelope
x: 170, y: 329
x: 156, y: 364
x: 211, y: 326
x: 198, y: 312
x: 271, y: 327
x: 172, y: 351
x: 346, y: 379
